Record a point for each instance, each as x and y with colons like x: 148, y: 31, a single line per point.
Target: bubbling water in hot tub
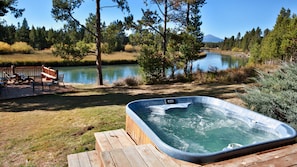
x: 201, y: 128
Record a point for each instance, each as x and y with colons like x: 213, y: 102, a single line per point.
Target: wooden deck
x: 116, y: 149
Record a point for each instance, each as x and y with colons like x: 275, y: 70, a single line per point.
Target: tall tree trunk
x: 165, y: 37
x: 98, y: 43
x: 188, y: 14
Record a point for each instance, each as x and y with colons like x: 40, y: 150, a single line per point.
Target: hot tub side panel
x: 136, y: 132
x: 140, y: 137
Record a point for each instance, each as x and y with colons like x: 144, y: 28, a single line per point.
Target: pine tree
x: 22, y: 34
x: 33, y: 36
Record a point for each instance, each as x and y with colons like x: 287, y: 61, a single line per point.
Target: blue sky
x: 222, y: 18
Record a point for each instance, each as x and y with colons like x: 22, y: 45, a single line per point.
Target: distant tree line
x: 39, y: 38
x: 280, y: 43
x: 114, y: 37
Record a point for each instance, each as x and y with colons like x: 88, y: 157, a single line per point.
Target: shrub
x: 235, y: 49
x: 182, y: 78
x: 236, y: 75
x: 119, y: 82
x: 129, y: 48
x: 71, y: 52
x: 92, y: 47
x: 105, y: 48
x: 83, y: 48
x: 22, y: 47
x: 240, y: 75
x: 275, y: 95
x: 129, y: 81
x: 5, y: 47
x: 132, y: 81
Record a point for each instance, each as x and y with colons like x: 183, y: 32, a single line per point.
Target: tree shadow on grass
x: 112, y: 96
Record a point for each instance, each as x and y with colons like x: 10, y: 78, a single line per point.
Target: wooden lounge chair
x: 8, y: 77
x: 17, y: 78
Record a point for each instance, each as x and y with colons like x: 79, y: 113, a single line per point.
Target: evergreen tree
x: 289, y: 41
x: 192, y: 38
x: 7, y: 33
x: 70, y: 46
x: 272, y: 43
x: 33, y: 36
x: 238, y: 40
x: 41, y: 40
x: 278, y: 44
x: 90, y: 22
x: 22, y: 34
x: 51, y: 37
x: 156, y: 21
x: 114, y: 36
x: 186, y: 15
x: 266, y: 31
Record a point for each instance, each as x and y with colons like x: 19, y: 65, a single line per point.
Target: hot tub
x: 203, y: 129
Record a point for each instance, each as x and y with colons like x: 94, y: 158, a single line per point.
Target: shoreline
x: 229, y: 53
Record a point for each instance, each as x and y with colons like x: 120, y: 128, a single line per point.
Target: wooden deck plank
x: 141, y: 155
x: 265, y: 157
x: 235, y: 162
x: 73, y: 160
x: 280, y: 151
x: 124, y: 138
x: 134, y: 157
x: 106, y: 159
x: 119, y: 158
x: 113, y: 139
x: 287, y: 160
x: 94, y: 158
x: 148, y: 156
x: 84, y: 159
x: 103, y: 142
x: 164, y: 158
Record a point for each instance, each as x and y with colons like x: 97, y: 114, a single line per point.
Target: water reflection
x: 88, y: 74
x: 221, y: 62
x: 111, y: 73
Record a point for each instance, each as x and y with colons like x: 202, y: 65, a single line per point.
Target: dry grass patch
x: 119, y: 56
x: 47, y: 56
x: 37, y: 56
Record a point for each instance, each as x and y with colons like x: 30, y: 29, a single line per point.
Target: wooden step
x: 84, y: 159
x: 113, y: 139
x: 141, y: 155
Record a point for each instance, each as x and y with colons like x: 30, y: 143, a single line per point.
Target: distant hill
x: 211, y: 38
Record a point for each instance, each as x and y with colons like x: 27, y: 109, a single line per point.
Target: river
x: 112, y: 73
